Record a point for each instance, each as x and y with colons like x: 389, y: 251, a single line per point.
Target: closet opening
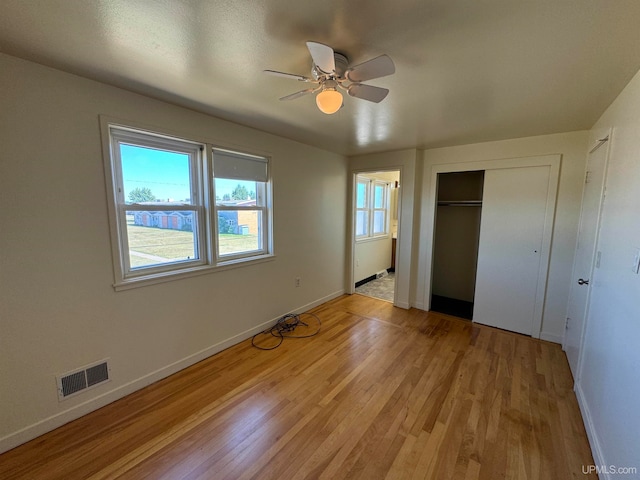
x: 456, y: 239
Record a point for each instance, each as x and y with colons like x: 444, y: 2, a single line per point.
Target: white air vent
x: 382, y: 273
x: 82, y: 379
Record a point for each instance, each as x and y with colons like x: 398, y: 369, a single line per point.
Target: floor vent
x: 80, y: 380
x: 382, y: 273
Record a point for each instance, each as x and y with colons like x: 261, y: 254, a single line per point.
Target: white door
x: 514, y: 208
x: 584, y: 259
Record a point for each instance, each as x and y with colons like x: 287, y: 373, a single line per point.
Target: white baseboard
x: 404, y: 305
x: 35, y: 430
x: 596, y: 450
x: 550, y: 337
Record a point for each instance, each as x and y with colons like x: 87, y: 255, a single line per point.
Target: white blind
x: 239, y: 166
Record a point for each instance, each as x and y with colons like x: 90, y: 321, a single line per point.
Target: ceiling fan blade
x: 299, y: 94
x: 287, y: 75
x: 375, y: 68
x: 322, y: 56
x: 367, y: 92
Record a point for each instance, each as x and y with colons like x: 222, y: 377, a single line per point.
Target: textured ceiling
x: 466, y: 70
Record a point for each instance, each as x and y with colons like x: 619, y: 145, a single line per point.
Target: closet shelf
x: 459, y: 203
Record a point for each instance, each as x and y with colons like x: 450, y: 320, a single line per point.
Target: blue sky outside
x: 165, y: 173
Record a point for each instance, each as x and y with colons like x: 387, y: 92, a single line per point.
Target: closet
x: 457, y: 233
x: 492, y: 238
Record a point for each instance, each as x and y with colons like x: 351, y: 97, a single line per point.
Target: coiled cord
x: 284, y: 328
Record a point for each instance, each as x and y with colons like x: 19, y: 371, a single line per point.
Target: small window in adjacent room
x: 380, y: 208
x: 362, y: 208
x: 163, y: 206
x: 372, y: 208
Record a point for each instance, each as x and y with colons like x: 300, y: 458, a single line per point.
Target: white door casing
x: 553, y: 163
x: 586, y: 248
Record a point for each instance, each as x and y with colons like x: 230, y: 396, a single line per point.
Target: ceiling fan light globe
x: 329, y: 101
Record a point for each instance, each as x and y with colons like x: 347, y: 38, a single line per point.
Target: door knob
x: 583, y: 282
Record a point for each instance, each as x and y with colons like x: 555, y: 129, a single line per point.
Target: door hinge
x: 587, y: 177
x: 566, y: 324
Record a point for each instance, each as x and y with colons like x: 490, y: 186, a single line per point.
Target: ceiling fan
x: 331, y: 71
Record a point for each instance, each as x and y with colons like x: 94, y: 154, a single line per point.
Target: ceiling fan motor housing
x: 342, y: 63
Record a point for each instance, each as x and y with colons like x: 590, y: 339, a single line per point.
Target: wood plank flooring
x: 380, y: 393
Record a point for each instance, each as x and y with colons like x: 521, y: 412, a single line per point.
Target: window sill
x: 155, y: 278
x: 373, y: 239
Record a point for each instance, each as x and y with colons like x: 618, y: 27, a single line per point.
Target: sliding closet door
x: 509, y: 254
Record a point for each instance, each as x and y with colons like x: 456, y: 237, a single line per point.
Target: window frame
x: 365, y: 209
x: 370, y: 209
x: 384, y: 209
x: 124, y: 136
x: 202, y: 202
x: 263, y: 201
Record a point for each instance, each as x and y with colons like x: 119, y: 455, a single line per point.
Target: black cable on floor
x: 284, y: 328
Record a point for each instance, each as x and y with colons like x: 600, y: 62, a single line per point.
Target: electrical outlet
x: 297, y: 282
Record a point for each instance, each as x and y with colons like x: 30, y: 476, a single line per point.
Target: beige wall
x: 59, y: 309
x: 572, y: 147
x: 371, y: 257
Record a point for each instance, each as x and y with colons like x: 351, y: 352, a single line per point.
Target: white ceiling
x: 466, y: 70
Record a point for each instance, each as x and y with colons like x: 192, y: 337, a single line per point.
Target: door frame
x: 352, y: 235
x: 553, y: 162
x: 596, y: 139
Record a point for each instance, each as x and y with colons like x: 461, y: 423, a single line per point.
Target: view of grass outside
x: 230, y: 243
x: 153, y: 246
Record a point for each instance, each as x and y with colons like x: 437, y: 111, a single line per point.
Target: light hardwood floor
x: 380, y: 393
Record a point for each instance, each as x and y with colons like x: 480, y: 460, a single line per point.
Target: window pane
x: 239, y: 231
x: 361, y: 195
x: 151, y: 175
x: 157, y: 238
x: 237, y: 192
x: 378, y: 196
x: 378, y: 222
x: 362, y: 223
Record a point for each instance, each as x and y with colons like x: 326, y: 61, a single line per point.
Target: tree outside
x: 139, y: 195
x: 240, y: 193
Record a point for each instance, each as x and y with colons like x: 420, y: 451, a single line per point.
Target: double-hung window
x: 180, y: 207
x: 241, y: 201
x: 372, y: 208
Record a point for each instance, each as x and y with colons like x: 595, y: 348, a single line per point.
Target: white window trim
x: 223, y: 258
x: 365, y: 209
x: 120, y: 135
x: 370, y: 208
x: 384, y: 209
x: 202, y: 183
x: 263, y: 205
